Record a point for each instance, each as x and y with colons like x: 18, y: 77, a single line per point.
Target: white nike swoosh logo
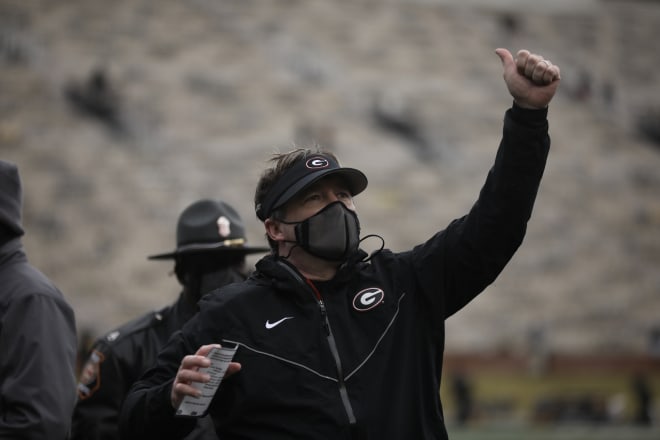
x: 270, y: 325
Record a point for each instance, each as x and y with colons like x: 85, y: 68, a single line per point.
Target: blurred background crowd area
x: 120, y: 114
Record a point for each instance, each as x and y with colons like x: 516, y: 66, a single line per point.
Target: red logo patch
x: 90, y: 376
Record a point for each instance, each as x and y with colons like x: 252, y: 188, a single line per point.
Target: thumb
x: 505, y: 57
x: 204, y: 350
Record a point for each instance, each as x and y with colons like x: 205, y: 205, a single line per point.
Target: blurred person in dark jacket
x: 37, y: 334
x: 211, y: 252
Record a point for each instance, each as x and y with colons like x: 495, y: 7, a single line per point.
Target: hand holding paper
x: 199, y: 376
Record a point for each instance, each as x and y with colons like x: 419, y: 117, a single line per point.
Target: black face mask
x: 333, y: 233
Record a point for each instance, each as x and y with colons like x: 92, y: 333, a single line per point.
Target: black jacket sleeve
x: 37, y: 365
x: 101, y: 390
x: 473, y: 250
x: 147, y: 412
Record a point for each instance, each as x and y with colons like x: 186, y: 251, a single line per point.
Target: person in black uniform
x: 332, y: 343
x: 211, y: 251
x: 37, y: 334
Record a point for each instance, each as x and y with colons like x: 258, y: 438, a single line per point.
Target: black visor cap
x: 304, y: 173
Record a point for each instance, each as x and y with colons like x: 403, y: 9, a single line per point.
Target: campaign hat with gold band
x: 210, y: 226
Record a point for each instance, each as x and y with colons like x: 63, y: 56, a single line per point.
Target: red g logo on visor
x: 317, y: 162
x: 367, y: 299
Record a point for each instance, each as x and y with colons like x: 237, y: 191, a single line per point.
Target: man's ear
x: 274, y: 229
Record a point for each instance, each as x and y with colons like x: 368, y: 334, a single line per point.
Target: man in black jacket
x: 37, y: 334
x: 332, y: 344
x: 211, y: 251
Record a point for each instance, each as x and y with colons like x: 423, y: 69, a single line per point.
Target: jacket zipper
x: 343, y: 392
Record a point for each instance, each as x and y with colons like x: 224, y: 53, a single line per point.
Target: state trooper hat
x: 210, y: 226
